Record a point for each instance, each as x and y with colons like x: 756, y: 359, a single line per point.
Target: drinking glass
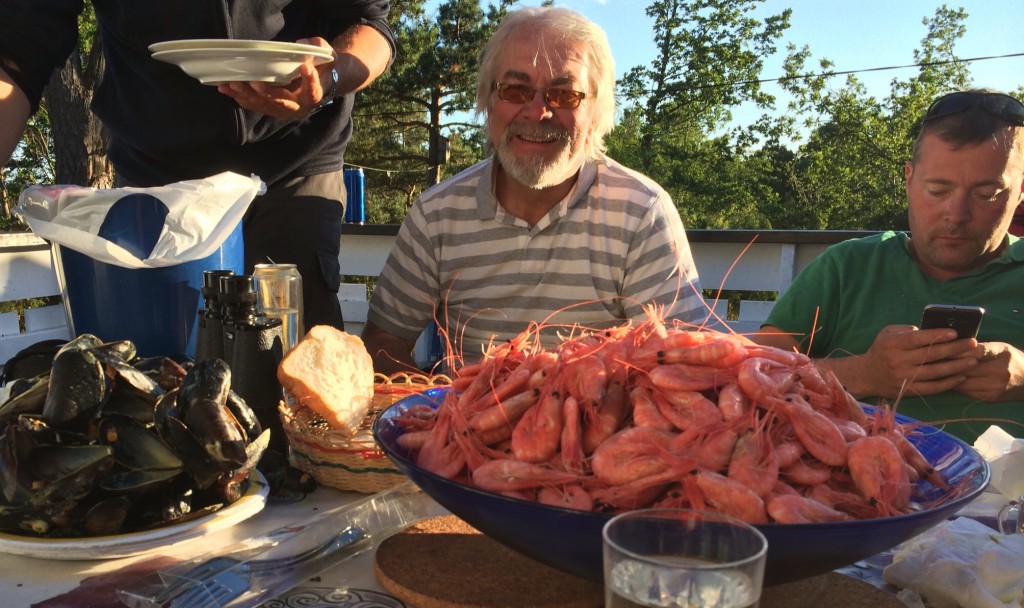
x: 677, y: 558
x: 1011, y: 517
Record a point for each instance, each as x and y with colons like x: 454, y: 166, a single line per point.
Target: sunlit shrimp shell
x: 806, y: 472
x: 682, y: 377
x: 572, y: 436
x: 585, y: 378
x: 734, y: 403
x: 536, y: 436
x: 708, y: 448
x: 754, y: 463
x: 687, y: 409
x: 645, y: 410
x: 796, y: 509
x: 571, y: 496
x: 731, y: 497
x: 601, y: 421
x: 761, y: 378
x: 877, y: 469
x: 818, y: 434
x: 631, y: 454
x: 506, y: 412
x: 508, y: 474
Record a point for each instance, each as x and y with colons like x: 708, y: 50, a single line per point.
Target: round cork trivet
x: 443, y: 562
x: 831, y: 589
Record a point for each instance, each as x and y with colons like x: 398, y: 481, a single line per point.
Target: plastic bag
x: 141, y: 227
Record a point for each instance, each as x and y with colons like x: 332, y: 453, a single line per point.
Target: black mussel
x: 121, y: 350
x: 28, y: 400
x: 78, y: 386
x: 137, y: 447
x: 126, y: 480
x: 106, y: 516
x: 133, y: 393
x: 165, y: 371
x: 244, y: 415
x: 15, y: 481
x: 209, y: 380
x: 193, y: 454
x: 83, y: 341
x: 45, y: 520
x: 66, y: 472
x: 219, y: 432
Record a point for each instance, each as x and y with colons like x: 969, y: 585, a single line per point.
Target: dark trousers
x: 299, y: 221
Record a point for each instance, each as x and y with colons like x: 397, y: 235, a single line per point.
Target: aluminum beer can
x: 279, y: 295
x: 355, y: 184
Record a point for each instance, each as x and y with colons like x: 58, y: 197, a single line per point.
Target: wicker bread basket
x: 353, y: 463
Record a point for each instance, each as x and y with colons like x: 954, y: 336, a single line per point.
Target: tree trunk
x: 79, y: 138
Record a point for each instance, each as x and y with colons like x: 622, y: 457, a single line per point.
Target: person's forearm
x: 14, y: 113
x: 390, y: 353
x: 851, y: 374
x: 363, y: 55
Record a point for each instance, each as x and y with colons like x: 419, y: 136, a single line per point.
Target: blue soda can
x: 355, y: 184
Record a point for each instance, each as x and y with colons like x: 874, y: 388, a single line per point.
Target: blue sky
x: 854, y: 34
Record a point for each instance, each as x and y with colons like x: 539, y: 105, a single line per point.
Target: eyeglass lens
x: 556, y: 98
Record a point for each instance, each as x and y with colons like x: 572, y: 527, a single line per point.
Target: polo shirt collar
x: 487, y: 201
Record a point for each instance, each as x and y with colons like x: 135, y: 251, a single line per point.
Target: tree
x: 848, y: 171
x: 412, y: 120
x: 709, y: 61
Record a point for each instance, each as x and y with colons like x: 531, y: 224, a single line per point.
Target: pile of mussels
x: 107, y: 443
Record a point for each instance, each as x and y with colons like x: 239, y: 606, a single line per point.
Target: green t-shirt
x: 861, y: 285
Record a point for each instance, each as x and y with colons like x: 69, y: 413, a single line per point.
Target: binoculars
x: 231, y: 328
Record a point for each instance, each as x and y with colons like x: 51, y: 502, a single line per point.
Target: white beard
x: 536, y: 172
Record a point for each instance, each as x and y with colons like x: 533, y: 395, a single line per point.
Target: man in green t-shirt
x: 855, y: 308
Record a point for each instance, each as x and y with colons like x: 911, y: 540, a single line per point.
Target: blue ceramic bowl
x: 570, y: 540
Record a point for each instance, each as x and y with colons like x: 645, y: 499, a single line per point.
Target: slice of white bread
x: 330, y: 372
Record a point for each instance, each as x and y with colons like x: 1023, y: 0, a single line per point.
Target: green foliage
x: 848, y: 169
x: 429, y: 89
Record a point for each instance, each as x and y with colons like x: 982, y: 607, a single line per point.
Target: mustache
x: 539, y: 130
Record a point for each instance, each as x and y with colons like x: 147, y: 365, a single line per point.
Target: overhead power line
x: 881, y: 69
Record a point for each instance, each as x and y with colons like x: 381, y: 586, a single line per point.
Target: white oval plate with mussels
x: 138, y: 543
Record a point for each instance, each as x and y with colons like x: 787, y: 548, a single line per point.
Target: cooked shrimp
x: 631, y: 454
x: 796, y: 509
x: 876, y: 467
x: 508, y: 474
x: 535, y: 438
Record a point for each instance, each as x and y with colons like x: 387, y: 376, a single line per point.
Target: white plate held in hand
x: 214, y: 62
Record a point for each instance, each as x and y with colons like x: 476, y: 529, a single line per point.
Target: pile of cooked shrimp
x: 656, y: 415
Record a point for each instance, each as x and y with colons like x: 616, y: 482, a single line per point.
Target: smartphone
x: 964, y: 319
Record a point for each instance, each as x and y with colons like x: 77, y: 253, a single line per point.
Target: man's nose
x: 537, y: 108
x: 959, y: 209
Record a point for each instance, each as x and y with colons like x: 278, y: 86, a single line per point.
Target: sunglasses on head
x: 1000, y: 105
x: 556, y: 98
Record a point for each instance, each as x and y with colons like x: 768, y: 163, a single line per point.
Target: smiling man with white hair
x: 549, y: 231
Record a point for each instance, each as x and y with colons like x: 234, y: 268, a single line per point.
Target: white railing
x: 764, y: 261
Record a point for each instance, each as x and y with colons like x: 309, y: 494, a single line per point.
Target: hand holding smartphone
x: 964, y: 319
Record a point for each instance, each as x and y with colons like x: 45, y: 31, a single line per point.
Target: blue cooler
x: 156, y: 308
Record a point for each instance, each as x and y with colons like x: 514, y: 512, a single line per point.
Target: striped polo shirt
x: 613, y: 244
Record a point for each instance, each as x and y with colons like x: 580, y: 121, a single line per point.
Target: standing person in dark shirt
x: 166, y: 127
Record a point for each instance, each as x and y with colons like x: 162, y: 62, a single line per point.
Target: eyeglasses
x: 999, y: 105
x: 566, y: 99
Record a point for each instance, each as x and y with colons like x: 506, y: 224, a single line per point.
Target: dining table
x: 56, y: 582
x: 94, y: 581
